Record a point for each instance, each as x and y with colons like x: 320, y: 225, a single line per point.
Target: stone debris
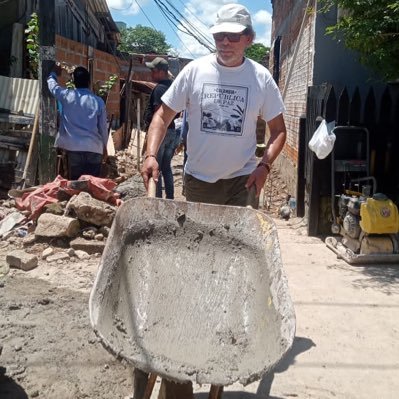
x: 47, y: 252
x: 89, y: 233
x: 60, y: 256
x: 71, y: 252
x: 29, y: 240
x: 91, y: 210
x: 99, y: 237
x: 49, y: 225
x: 82, y: 255
x: 19, y: 259
x: 89, y: 246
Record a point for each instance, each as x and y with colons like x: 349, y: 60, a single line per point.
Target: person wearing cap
x: 224, y: 93
x: 160, y: 74
x: 83, y: 133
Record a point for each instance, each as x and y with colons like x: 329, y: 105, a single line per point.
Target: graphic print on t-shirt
x: 223, y: 109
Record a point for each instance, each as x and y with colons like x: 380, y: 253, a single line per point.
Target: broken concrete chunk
x: 89, y: 234
x: 57, y: 257
x: 47, y: 252
x: 19, y: 259
x: 49, y: 225
x: 89, y: 246
x: 29, y: 240
x: 92, y: 210
x: 99, y: 237
x: 82, y: 255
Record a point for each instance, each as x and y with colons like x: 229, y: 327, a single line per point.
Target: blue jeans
x: 164, y: 158
x: 83, y: 163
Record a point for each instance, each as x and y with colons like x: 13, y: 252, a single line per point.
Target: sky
x: 201, y: 13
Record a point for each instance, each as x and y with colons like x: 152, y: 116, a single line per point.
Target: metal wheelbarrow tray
x: 193, y: 291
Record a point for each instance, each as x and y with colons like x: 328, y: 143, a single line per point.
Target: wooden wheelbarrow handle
x: 152, y: 187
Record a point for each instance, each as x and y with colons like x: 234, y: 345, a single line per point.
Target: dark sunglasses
x: 231, y: 37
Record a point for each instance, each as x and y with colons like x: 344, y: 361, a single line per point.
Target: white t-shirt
x: 223, y: 104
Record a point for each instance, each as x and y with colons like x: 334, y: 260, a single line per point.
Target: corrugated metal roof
x: 19, y: 95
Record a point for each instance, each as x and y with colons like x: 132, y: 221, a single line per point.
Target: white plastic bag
x: 323, y: 139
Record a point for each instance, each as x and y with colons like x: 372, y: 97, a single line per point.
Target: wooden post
x: 48, y: 112
x: 138, y: 133
x: 128, y: 99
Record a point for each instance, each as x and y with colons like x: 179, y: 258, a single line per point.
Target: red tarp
x: 99, y: 188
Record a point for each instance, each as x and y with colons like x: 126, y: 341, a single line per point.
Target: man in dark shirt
x: 160, y: 74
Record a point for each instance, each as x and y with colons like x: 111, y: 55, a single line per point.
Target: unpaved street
x: 346, y: 346
x: 49, y: 350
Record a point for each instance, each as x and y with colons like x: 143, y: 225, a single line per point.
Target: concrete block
x: 49, y: 225
x: 21, y: 260
x: 89, y: 246
x: 92, y: 210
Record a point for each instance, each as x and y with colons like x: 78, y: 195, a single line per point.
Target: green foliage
x: 143, y: 40
x: 257, y: 52
x: 106, y: 87
x: 32, y: 44
x: 370, y: 27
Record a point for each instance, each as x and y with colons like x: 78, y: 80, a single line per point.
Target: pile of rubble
x: 61, y: 221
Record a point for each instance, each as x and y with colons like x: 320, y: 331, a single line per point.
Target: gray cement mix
x: 196, y: 292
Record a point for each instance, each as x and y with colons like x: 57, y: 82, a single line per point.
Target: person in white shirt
x: 224, y: 93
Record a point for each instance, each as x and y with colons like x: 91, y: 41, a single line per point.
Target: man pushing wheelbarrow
x: 194, y: 291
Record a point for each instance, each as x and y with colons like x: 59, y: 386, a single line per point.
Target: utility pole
x: 48, y: 111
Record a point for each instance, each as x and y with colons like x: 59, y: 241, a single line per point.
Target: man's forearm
x: 158, y: 127
x: 277, y: 139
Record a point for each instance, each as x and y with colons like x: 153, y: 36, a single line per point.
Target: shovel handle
x: 151, y: 188
x: 251, y: 198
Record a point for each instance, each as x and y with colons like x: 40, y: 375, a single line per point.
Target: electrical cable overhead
x: 182, y: 24
x: 189, y: 28
x: 191, y: 13
x: 146, y: 16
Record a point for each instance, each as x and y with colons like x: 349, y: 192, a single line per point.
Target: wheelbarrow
x: 193, y: 292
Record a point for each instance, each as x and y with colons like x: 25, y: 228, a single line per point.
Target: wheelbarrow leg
x: 143, y: 384
x: 173, y: 390
x: 150, y: 386
x: 215, y: 392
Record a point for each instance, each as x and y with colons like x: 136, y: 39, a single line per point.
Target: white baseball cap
x: 231, y: 18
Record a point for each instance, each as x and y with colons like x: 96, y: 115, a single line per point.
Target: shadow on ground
x: 300, y: 345
x: 9, y: 389
x: 382, y: 277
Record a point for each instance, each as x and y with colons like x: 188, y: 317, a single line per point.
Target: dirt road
x: 49, y: 350
x: 347, y: 342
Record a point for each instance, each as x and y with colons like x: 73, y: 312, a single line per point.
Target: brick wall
x: 287, y: 19
x: 103, y: 66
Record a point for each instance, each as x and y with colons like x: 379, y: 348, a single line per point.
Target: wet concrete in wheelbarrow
x: 195, y: 293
